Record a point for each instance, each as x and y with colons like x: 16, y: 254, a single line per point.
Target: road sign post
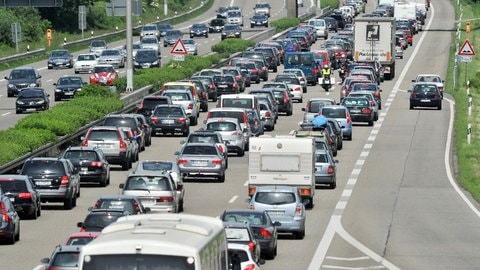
x: 179, y: 51
x: 466, y: 53
x: 49, y: 37
x: 82, y: 19
x: 17, y: 34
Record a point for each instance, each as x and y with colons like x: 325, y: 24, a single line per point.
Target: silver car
x: 150, y: 42
x: 97, y: 47
x: 150, y: 30
x: 283, y: 204
x: 301, y: 76
x: 325, y: 169
x: 111, y: 57
x: 155, y: 189
x: 267, y: 115
x: 168, y: 166
x: 201, y: 160
x: 313, y: 107
x: 231, y: 131
x: 190, y: 45
x: 235, y: 17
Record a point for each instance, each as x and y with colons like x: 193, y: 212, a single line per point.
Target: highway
x: 395, y: 205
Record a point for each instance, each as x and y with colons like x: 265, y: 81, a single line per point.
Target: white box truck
x: 283, y: 161
x: 405, y: 10
x: 375, y: 40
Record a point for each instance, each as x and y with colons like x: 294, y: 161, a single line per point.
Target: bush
x: 229, y: 46
x: 285, y: 23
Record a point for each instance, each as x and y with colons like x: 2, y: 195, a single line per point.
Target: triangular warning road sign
x: 466, y: 49
x: 179, y: 48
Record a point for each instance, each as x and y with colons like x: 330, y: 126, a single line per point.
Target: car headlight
x: 19, y: 102
x: 58, y: 90
x: 40, y: 101
x: 11, y: 85
x: 32, y: 85
x: 191, y: 31
x: 155, y: 63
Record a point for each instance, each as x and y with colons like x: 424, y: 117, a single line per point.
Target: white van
x: 179, y: 241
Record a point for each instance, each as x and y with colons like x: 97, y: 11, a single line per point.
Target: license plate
x: 354, y: 111
x: 425, y: 100
x: 168, y: 121
x: 12, y: 199
x: 276, y: 212
x: 222, y: 86
x: 43, y: 183
x: 68, y: 93
x: 83, y: 169
x: 199, y: 163
x: 148, y: 202
x: 104, y: 145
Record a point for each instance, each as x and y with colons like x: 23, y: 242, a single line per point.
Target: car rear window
x: 199, y: 150
x: 101, y: 221
x: 222, y: 126
x: 333, y: 113
x: 43, y: 166
x: 98, y: 135
x: 223, y: 114
x: 316, y: 105
x: 164, y: 111
x: 156, y: 166
x: 241, y: 255
x: 121, y: 122
x: 321, y: 158
x: 125, y: 205
x: 202, y: 139
x: 81, y: 154
x: 320, y: 145
x: 275, y: 198
x: 12, y: 186
x: 245, y: 103
x: 158, y: 183
x: 237, y: 234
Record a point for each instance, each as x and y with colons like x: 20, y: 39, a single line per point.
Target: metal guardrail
x: 130, y: 100
x: 22, y: 56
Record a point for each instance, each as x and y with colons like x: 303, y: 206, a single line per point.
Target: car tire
x: 271, y: 254
x: 180, y: 206
x: 411, y: 106
x: 34, y: 215
x: 241, y: 153
x: 74, y: 201
x: 39, y: 211
x: 300, y: 234
x: 17, y: 236
x: 57, y: 99
x: 289, y: 113
x: 275, y: 69
x: 185, y: 133
x: 68, y: 203
x: 126, y: 165
x: 221, y: 178
x: 439, y: 107
x: 103, y: 182
x: 333, y: 185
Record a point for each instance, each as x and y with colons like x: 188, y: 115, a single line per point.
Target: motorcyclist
x: 326, y: 72
x: 341, y: 72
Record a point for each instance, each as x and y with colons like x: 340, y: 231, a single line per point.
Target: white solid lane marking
x: 233, y: 199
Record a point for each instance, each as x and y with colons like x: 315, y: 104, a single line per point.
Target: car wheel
x: 194, y: 121
x: 300, y: 100
x: 333, y: 185
x: 439, y: 107
x: 206, y: 36
x: 126, y: 165
x: 103, y: 182
x: 300, y: 234
x: 185, y: 133
x: 74, y: 201
x: 78, y: 192
x: 221, y: 178
x: 56, y: 99
x: 271, y: 254
x: 68, y: 203
x: 275, y: 69
x: 370, y: 123
x: 241, y: 153
x: 39, y: 210
x: 180, y: 206
x: 34, y: 215
x: 411, y: 106
x: 289, y: 112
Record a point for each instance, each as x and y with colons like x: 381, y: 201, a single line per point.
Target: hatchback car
x: 97, y: 219
x: 201, y: 160
x: 127, y: 203
x: 242, y: 233
x: 32, y: 100
x: 431, y: 78
x: 59, y: 59
x: 284, y: 205
x: 155, y: 189
x: 20, y: 78
x: 97, y: 46
x: 150, y: 43
x: 313, y: 107
x: 293, y: 84
x: 226, y: 84
x: 232, y: 133
x: 166, y: 166
x: 148, y: 104
x: 258, y: 20
x: 216, y: 25
x: 240, y: 257
x: 263, y: 228
x: 64, y: 257
x: 199, y: 30
x: 9, y: 220
x: 425, y: 95
x: 170, y: 118
x: 146, y: 58
x: 67, y: 86
x: 359, y: 109
x: 103, y: 75
x: 112, y: 141
x: 22, y: 193
x: 341, y: 115
x: 231, y: 31
x: 325, y: 169
x: 372, y: 88
x: 91, y: 162
x: 56, y: 179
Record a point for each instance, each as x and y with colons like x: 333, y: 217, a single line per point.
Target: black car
x: 216, y: 25
x: 425, y: 95
x: 125, y: 203
x: 222, y: 12
x: 258, y: 20
x: 231, y: 31
x: 59, y: 59
x: 199, y: 30
x: 226, y: 84
x: 263, y: 228
x: 146, y: 58
x: 10, y: 221
x: 22, y: 193
x: 20, y: 78
x: 209, y: 85
x: 67, y: 86
x: 170, y: 119
x: 171, y: 37
x: 97, y: 219
x: 271, y: 55
x: 56, y: 179
x: 91, y: 164
x: 148, y: 104
x: 32, y: 100
x: 163, y: 28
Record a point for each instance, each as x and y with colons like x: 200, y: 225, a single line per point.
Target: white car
x: 293, y: 84
x: 85, y: 62
x: 150, y: 42
x: 241, y: 254
x: 112, y: 57
x: 235, y: 17
x: 432, y: 78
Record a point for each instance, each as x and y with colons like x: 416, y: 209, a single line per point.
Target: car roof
x: 117, y: 197
x: 67, y: 248
x: 276, y: 188
x: 223, y: 119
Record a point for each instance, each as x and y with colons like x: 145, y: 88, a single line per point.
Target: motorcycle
x: 326, y: 82
x: 341, y: 73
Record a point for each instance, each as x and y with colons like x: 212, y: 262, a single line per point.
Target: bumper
x: 324, y: 179
x: 117, y: 159
x: 54, y: 195
x: 31, y: 108
x: 362, y: 117
x: 170, y: 128
x: 290, y: 225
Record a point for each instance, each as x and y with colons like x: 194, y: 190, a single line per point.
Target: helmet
x: 325, y: 66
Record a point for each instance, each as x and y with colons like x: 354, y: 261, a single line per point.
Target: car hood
x: 69, y: 86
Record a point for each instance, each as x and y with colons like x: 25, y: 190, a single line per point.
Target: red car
x: 103, y: 75
x: 81, y: 238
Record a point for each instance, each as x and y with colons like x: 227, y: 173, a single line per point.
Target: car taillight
x: 140, y: 106
x: 212, y: 86
x: 237, y: 133
x: 165, y: 199
x: 249, y: 267
x: 255, y: 71
x: 251, y: 245
x: 285, y: 98
x: 216, y: 162
x: 372, y: 103
x: 25, y: 195
x: 366, y: 110
x: 5, y: 216
x: 123, y: 144
x: 235, y: 85
x: 265, y: 233
x: 137, y: 207
x: 349, y: 120
x: 85, y: 143
x: 154, y: 120
x: 238, y: 77
x: 182, y: 120
x: 437, y: 95
x: 83, y: 230
x: 96, y: 205
x: 190, y: 106
x: 297, y: 89
x: 264, y: 68
x: 330, y: 170
x: 64, y: 181
x: 96, y: 164
x: 220, y: 148
x: 377, y: 94
x: 179, y: 186
x: 268, y: 115
x: 182, y: 161
x: 298, y: 210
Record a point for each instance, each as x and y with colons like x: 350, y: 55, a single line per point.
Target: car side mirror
x: 122, y: 185
x: 79, y: 224
x: 147, y: 209
x: 45, y: 260
x: 177, y: 153
x: 277, y: 223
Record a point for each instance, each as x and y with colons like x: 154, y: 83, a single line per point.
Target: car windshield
x: 69, y: 81
x: 146, y: 55
x: 425, y: 88
x: 110, y: 52
x: 20, y: 74
x: 223, y: 79
x: 364, y: 87
x: 157, y: 183
x: 188, y: 41
x: 275, y: 198
x: 100, y: 69
x: 275, y: 85
x: 355, y: 102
